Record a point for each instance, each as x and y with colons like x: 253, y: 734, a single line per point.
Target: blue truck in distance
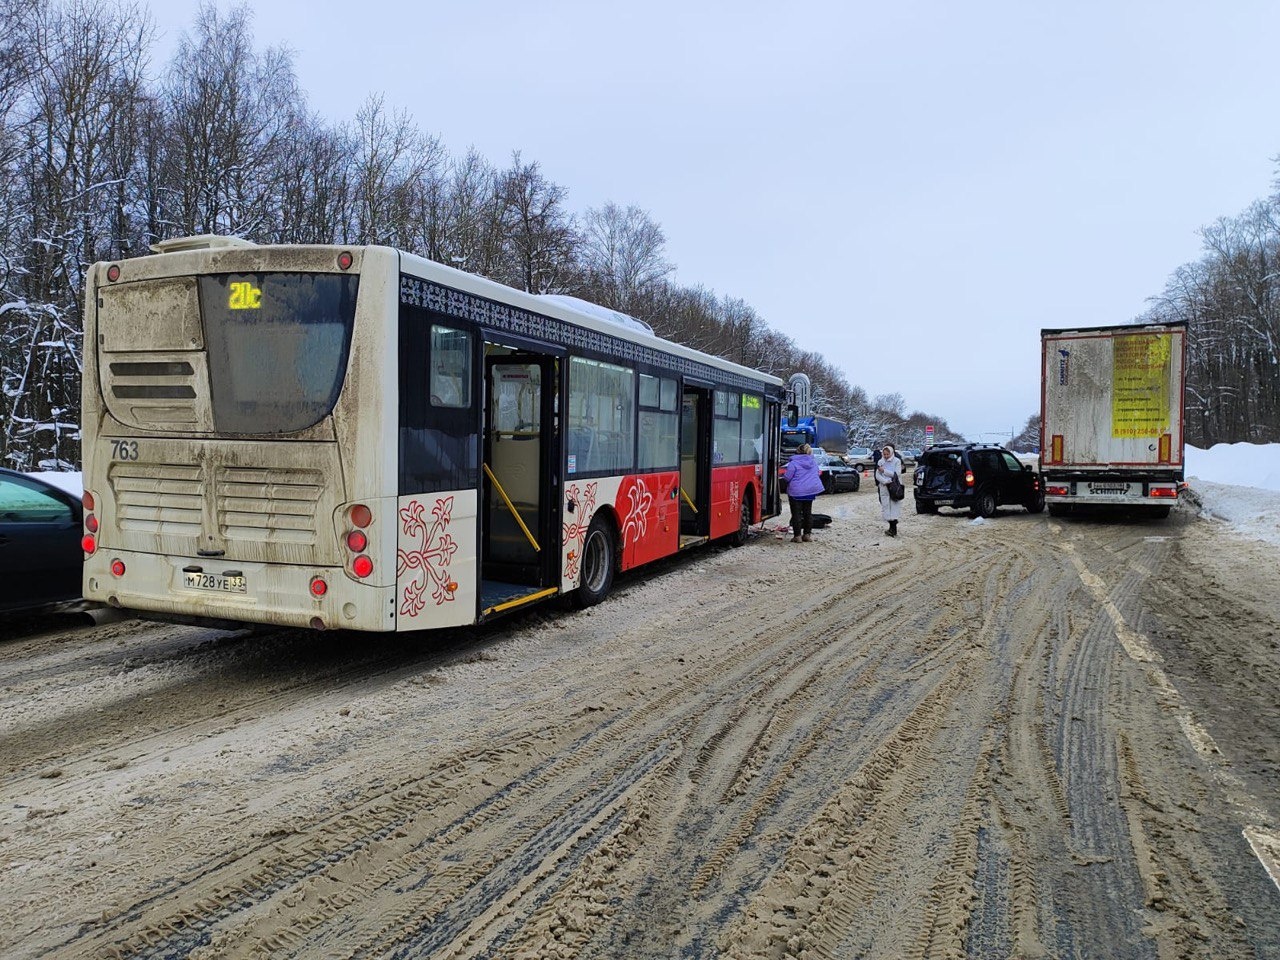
x: 831, y: 435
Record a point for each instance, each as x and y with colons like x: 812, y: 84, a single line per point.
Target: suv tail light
x: 968, y: 478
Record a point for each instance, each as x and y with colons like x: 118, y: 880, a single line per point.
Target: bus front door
x: 695, y: 465
x: 519, y: 546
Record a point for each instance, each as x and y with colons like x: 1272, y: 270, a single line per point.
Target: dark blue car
x: 40, y: 555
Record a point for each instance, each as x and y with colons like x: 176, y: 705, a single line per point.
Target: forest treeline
x: 99, y: 159
x: 101, y: 155
x: 1230, y: 299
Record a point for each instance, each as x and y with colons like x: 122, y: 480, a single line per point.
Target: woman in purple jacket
x: 803, y: 484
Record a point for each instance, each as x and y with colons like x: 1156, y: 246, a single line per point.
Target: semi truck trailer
x: 1111, y: 417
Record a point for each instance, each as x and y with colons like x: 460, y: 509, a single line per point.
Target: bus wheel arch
x: 599, y: 561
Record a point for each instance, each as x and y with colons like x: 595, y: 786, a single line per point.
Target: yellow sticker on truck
x: 1141, y: 371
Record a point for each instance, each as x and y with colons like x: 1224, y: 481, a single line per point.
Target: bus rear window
x: 278, y: 345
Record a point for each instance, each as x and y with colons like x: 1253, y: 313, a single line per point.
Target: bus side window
x: 450, y: 367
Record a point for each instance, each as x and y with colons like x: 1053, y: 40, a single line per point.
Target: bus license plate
x: 214, y: 583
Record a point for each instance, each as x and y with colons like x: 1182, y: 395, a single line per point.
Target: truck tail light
x: 1170, y: 492
x: 1055, y: 490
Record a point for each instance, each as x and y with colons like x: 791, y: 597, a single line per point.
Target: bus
x: 360, y: 438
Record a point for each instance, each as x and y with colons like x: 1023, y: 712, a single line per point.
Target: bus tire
x: 598, y: 561
x: 739, y: 537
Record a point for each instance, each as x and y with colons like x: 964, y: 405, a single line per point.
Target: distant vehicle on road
x: 40, y: 556
x: 837, y: 474
x: 860, y: 458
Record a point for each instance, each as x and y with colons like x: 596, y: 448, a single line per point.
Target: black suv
x: 979, y: 476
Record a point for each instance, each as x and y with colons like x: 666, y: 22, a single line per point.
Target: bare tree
x: 395, y: 165
x: 540, y: 231
x: 231, y: 110
x: 77, y: 85
x: 621, y: 251
x: 317, y: 193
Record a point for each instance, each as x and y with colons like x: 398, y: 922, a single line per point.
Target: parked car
x: 40, y: 556
x: 836, y: 473
x: 979, y: 477
x: 860, y: 458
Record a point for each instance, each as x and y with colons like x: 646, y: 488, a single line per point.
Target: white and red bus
x: 356, y: 437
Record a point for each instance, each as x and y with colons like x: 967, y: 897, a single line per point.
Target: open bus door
x: 520, y: 542
x: 695, y: 464
x: 772, y: 500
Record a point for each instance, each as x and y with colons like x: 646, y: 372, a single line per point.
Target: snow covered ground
x: 1239, y: 484
x: 1236, y: 483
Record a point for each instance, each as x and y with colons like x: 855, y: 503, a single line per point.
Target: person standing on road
x: 889, y: 467
x: 804, y: 483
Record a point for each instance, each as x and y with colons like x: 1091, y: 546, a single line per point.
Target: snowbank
x: 73, y: 483
x: 1240, y: 464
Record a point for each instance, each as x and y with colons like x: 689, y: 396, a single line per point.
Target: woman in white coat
x: 889, y: 467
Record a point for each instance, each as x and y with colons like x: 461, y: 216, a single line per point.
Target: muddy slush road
x: 1029, y: 737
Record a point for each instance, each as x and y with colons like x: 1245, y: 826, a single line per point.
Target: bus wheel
x: 597, y: 565
x: 739, y: 536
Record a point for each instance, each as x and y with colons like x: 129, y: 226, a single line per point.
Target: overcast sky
x: 913, y: 189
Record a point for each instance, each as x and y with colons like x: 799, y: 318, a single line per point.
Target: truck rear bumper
x: 1114, y: 490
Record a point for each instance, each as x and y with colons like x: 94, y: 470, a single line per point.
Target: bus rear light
x: 91, y: 522
x: 357, y: 541
x: 87, y: 500
x: 88, y: 543
x: 1057, y: 491
x: 362, y: 566
x: 345, y: 260
x: 968, y: 478
x: 361, y: 516
x: 318, y: 587
x: 117, y: 568
x: 113, y: 272
x: 1163, y: 491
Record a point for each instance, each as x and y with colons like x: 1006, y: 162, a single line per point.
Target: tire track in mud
x: 1187, y: 909
x: 767, y: 668
x: 240, y: 897
x: 658, y: 717
x: 882, y: 763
